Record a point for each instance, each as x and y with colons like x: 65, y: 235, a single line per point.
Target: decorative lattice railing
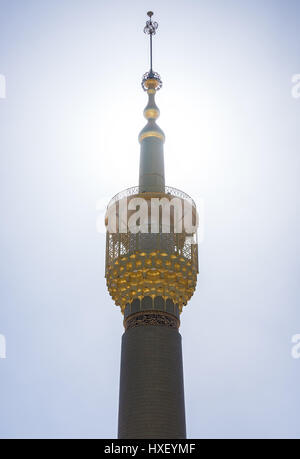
x: 163, y: 264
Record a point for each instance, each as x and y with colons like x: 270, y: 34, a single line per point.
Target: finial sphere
x: 153, y: 77
x: 150, y: 14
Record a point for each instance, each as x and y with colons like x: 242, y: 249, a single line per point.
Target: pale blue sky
x: 69, y: 128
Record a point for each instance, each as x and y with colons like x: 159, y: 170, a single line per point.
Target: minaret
x: 151, y: 273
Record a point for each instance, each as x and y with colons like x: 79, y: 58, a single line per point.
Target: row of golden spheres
x: 154, y: 274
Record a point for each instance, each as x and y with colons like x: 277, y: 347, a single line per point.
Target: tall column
x: 151, y: 274
x: 151, y: 383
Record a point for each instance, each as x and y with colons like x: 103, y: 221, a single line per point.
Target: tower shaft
x: 152, y: 138
x: 152, y: 169
x: 151, y: 384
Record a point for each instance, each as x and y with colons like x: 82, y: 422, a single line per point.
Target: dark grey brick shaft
x: 151, y: 384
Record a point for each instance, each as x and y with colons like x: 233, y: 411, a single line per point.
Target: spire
x: 151, y: 273
x: 150, y: 29
x: 151, y: 138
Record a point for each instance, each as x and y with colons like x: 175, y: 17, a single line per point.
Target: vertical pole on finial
x: 150, y: 29
x: 151, y: 69
x: 150, y: 14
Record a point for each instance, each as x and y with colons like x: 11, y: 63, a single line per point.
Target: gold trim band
x: 155, y: 134
x: 151, y: 83
x: 151, y: 113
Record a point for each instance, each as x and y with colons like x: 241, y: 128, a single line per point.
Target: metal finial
x: 150, y: 29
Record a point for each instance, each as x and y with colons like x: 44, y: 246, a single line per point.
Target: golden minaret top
x: 152, y: 251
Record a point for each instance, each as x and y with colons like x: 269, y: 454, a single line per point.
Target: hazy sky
x: 69, y: 127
